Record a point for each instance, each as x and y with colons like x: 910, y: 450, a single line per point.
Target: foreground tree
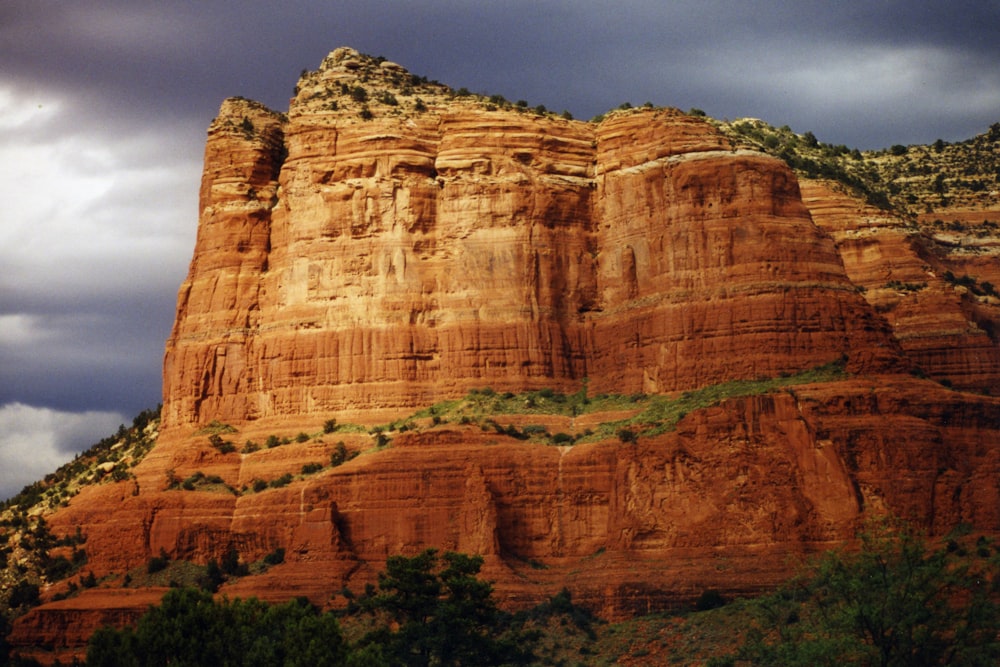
x: 893, y: 602
x: 190, y: 628
x: 434, y: 611
x: 427, y: 610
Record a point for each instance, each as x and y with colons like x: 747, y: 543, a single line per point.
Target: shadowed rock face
x: 943, y: 328
x: 357, y: 268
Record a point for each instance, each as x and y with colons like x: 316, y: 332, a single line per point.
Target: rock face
x: 389, y: 245
x: 345, y: 263
x: 944, y: 328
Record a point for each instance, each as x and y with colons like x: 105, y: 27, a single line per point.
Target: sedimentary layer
x: 350, y: 261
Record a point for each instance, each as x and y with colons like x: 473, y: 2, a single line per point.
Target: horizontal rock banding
x: 410, y: 257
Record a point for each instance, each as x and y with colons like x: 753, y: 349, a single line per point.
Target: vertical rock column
x: 205, y: 364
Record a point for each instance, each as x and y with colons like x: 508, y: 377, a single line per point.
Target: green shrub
x: 223, y: 446
x: 190, y: 628
x: 284, y: 480
x: 626, y: 435
x: 23, y: 594
x: 893, y: 601
x: 58, y: 568
x: 276, y: 557
x: 339, y: 454
x: 709, y: 599
x: 231, y: 565
x: 442, y: 613
x: 158, y: 563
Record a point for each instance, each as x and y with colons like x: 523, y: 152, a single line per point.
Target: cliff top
x: 921, y: 183
x: 353, y: 83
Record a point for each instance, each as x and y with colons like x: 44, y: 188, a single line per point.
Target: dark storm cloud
x: 104, y: 106
x: 180, y: 58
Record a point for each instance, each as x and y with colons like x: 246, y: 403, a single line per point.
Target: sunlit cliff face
x: 391, y: 243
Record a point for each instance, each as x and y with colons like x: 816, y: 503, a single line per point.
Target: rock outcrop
x: 346, y: 263
x: 390, y: 244
x: 943, y: 326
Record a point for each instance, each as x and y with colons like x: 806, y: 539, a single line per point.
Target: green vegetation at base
x: 894, y: 602
x: 431, y: 610
x: 190, y: 628
x: 428, y: 609
x: 896, y: 598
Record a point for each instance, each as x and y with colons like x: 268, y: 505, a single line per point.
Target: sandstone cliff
x: 392, y: 261
x: 390, y: 244
x: 944, y: 328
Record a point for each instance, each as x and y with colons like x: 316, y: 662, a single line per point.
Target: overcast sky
x: 104, y: 107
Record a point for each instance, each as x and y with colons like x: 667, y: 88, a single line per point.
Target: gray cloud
x: 36, y: 441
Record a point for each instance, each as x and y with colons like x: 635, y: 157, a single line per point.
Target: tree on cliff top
x: 893, y: 602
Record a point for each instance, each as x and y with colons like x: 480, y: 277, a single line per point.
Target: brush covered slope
x: 699, y: 367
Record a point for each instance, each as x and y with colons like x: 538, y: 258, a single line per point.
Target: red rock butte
x: 390, y: 244
x: 353, y: 264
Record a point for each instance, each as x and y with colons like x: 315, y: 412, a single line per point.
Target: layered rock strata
x: 346, y: 263
x: 943, y: 326
x: 732, y: 500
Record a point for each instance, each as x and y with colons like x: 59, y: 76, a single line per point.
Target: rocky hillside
x: 915, y: 182
x: 639, y: 357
